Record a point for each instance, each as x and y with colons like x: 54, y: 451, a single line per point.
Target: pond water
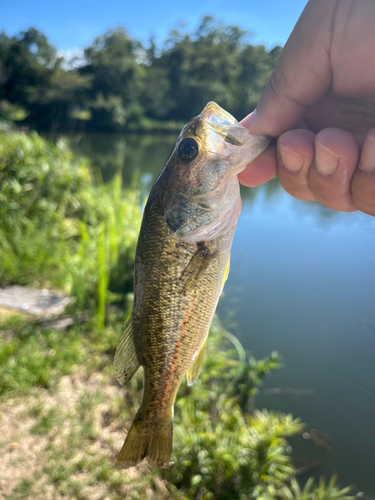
x: 302, y: 282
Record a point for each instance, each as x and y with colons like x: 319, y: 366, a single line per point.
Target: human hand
x: 320, y: 104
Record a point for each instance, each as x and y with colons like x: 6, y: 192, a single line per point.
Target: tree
x: 120, y: 82
x: 32, y: 76
x: 113, y: 64
x: 213, y: 63
x: 26, y: 63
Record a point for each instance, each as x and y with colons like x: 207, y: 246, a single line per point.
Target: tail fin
x: 144, y: 441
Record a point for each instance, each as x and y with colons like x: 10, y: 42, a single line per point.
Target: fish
x: 320, y: 438
x: 181, y: 264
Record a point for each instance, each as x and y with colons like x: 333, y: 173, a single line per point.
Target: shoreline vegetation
x: 62, y: 413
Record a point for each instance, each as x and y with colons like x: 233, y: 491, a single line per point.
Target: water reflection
x: 302, y: 282
x: 110, y: 152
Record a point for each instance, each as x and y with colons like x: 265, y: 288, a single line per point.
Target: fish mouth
x: 224, y: 124
x: 227, y: 138
x: 215, y: 115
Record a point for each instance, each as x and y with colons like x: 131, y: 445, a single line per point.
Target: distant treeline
x: 119, y: 84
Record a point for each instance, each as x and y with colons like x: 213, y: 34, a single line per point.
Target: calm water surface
x: 302, y: 282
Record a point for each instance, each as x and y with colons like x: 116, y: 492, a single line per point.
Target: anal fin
x: 193, y: 372
x: 126, y: 362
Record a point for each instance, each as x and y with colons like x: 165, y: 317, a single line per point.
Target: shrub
x: 58, y: 227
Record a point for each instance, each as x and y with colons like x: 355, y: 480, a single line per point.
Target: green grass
x: 46, y: 423
x: 34, y: 357
x: 37, y: 358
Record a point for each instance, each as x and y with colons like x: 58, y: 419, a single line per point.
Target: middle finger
x: 336, y: 156
x: 296, y: 151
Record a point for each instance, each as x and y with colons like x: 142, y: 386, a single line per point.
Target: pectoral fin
x: 126, y: 362
x: 193, y: 372
x: 197, y: 264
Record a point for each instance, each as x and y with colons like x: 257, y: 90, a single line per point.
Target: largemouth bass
x: 182, y: 260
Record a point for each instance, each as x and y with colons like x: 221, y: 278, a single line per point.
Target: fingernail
x: 367, y: 168
x: 326, y: 161
x: 290, y: 159
x: 367, y: 162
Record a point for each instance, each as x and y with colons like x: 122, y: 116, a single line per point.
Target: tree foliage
x: 120, y: 84
x: 32, y: 76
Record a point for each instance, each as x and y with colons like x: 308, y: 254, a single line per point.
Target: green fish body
x: 182, y: 260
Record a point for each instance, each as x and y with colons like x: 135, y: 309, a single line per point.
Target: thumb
x: 302, y: 75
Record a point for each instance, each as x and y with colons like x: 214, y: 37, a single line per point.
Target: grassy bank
x: 62, y: 414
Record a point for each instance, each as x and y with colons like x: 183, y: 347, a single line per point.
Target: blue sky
x: 71, y: 25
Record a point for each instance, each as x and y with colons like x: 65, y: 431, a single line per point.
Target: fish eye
x: 188, y: 149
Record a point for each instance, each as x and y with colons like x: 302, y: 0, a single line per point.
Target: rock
x: 39, y: 303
